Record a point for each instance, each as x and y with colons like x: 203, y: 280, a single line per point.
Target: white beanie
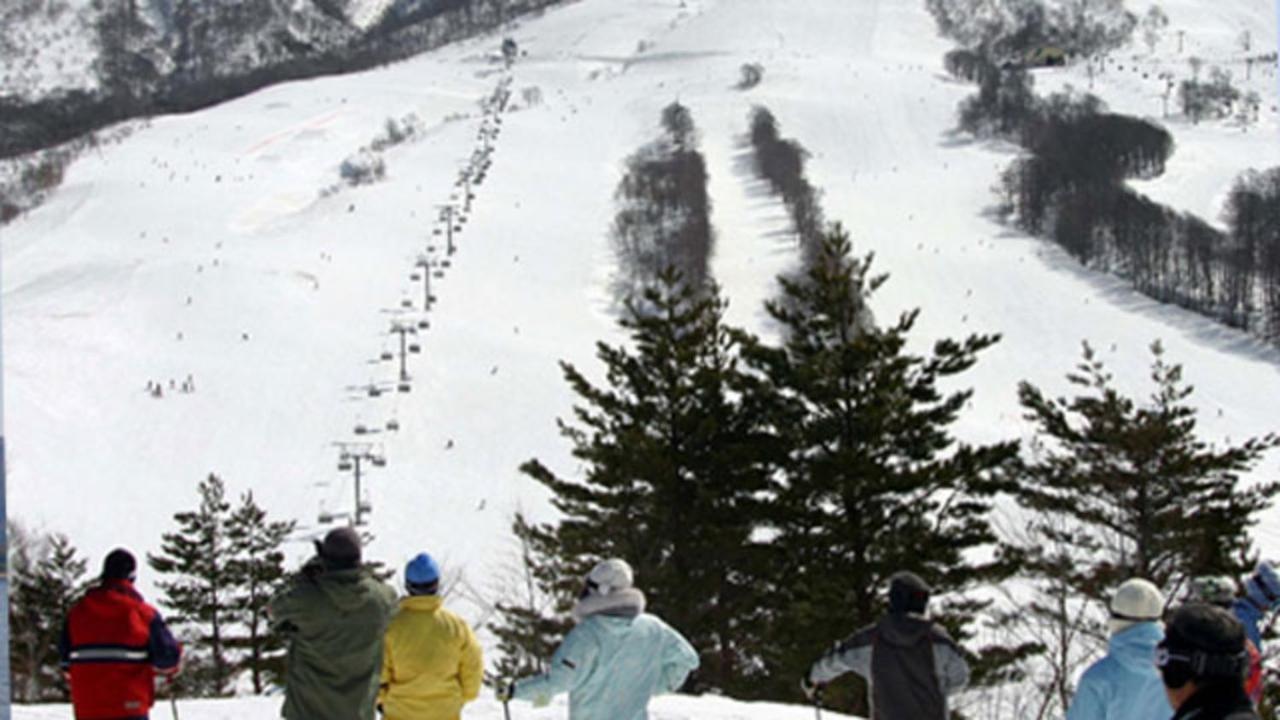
x: 610, y: 576
x: 1136, y: 601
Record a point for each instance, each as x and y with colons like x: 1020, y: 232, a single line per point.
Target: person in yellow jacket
x: 431, y: 662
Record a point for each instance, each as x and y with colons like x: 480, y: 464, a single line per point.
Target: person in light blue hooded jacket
x: 615, y: 659
x: 1125, y: 684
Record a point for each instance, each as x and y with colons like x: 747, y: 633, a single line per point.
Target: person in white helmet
x: 615, y: 659
x: 1125, y: 684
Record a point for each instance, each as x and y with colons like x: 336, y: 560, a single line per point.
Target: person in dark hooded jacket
x: 1202, y: 661
x: 910, y: 664
x: 335, y: 614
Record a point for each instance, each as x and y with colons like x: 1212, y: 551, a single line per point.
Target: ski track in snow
x: 202, y: 246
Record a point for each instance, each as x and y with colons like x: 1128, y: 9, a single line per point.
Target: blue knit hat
x: 422, y: 575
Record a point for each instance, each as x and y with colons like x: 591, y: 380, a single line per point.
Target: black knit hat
x: 119, y: 565
x: 340, y: 549
x: 908, y: 593
x: 1208, y: 641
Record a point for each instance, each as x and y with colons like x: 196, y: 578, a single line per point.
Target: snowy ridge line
x: 428, y: 265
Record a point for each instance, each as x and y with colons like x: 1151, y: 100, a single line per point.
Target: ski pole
x: 173, y: 699
x: 506, y: 709
x: 817, y: 704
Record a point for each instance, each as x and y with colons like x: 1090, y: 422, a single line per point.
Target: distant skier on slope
x: 615, y: 659
x: 1221, y: 592
x: 113, y: 644
x: 1125, y: 685
x: 431, y: 662
x: 1201, y: 661
x: 334, y: 613
x: 910, y: 663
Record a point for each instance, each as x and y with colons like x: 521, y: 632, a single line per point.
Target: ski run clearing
x: 221, y: 247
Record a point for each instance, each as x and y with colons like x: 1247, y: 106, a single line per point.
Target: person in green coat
x: 334, y: 613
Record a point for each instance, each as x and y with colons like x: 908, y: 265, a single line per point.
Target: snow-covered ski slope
x: 201, y: 246
x: 663, y: 708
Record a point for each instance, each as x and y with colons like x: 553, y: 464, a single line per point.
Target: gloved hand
x: 506, y: 690
x: 811, y: 690
x: 313, y: 568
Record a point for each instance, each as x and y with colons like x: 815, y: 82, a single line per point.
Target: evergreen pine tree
x: 873, y: 482
x: 534, y: 616
x: 1147, y: 496
x: 202, y: 591
x: 46, y: 577
x: 256, y: 568
x: 672, y: 451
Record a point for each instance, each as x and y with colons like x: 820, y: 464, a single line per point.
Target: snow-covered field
x: 201, y: 247
x: 664, y: 708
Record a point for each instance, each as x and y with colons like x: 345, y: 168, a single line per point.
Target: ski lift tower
x: 447, y: 216
x: 404, y: 329
x: 423, y: 269
x: 468, y: 195
x: 351, y: 455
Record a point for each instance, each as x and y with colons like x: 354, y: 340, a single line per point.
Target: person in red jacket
x: 112, y: 646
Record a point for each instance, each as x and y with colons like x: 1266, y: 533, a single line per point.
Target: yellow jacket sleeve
x: 384, y: 683
x: 471, y: 669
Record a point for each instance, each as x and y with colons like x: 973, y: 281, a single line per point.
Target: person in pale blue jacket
x: 1125, y: 684
x: 615, y: 659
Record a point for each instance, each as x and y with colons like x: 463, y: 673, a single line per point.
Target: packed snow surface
x: 663, y: 708
x: 222, y: 247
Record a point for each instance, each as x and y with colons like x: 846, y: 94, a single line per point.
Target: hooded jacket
x: 335, y: 622
x: 1124, y: 684
x: 112, y: 645
x: 613, y: 661
x: 431, y: 663
x: 1217, y: 701
x: 910, y: 663
x: 1251, y: 616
